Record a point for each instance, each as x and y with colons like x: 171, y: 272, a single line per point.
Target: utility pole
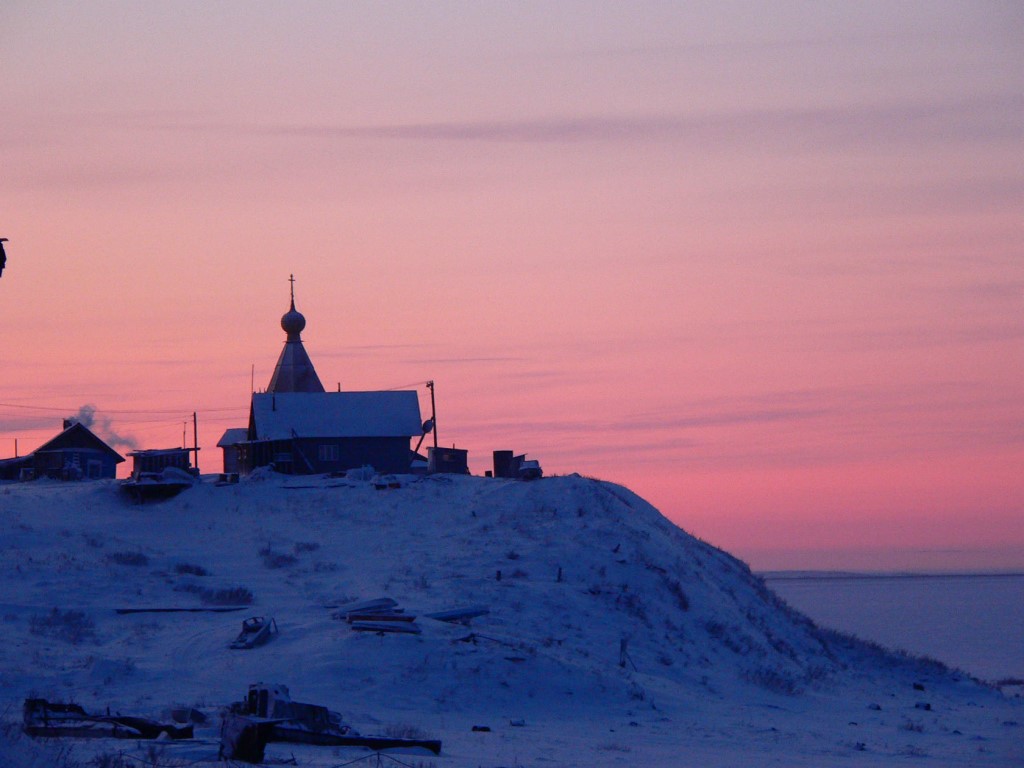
x: 195, y: 441
x: 433, y: 410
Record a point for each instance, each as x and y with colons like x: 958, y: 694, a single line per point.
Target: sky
x: 763, y: 265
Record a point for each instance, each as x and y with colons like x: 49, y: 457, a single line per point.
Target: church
x: 297, y: 427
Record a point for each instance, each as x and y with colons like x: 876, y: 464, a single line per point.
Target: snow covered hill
x: 612, y: 638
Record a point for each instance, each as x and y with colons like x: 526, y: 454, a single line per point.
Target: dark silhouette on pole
x: 3, y: 255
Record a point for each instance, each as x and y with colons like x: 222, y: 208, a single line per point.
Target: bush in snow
x: 110, y: 760
x: 272, y: 559
x: 70, y: 626
x: 232, y: 596
x: 20, y: 750
x: 677, y: 592
x: 229, y: 596
x: 773, y: 680
x: 405, y: 731
x: 136, y: 559
x: 184, y: 569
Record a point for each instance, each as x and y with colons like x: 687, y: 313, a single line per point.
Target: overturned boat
x: 43, y: 718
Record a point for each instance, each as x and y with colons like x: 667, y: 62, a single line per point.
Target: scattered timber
x: 391, y: 627
x: 380, y: 617
x: 42, y: 718
x: 364, y: 606
x: 459, y: 615
x: 219, y: 609
x: 268, y: 714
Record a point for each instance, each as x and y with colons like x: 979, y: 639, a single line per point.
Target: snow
x: 282, y: 415
x: 718, y: 670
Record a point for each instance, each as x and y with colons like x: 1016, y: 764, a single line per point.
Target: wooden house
x: 75, y: 454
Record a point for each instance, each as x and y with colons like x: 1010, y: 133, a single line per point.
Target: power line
x: 75, y: 409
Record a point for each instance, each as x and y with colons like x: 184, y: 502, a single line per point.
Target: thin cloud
x: 461, y: 360
x: 980, y: 118
x: 647, y: 423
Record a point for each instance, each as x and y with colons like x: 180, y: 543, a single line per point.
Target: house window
x: 327, y: 452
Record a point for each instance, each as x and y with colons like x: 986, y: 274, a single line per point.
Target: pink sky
x: 765, y: 271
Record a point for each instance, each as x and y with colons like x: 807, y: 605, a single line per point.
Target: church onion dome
x: 293, y: 322
x: 294, y: 371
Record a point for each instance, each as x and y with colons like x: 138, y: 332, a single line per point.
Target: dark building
x: 314, y: 432
x: 298, y: 428
x: 447, y: 460
x: 229, y: 443
x: 75, y: 454
x: 156, y: 460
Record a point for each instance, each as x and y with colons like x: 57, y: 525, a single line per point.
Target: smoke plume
x: 101, y: 426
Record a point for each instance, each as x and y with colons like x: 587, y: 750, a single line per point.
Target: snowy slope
x: 718, y: 671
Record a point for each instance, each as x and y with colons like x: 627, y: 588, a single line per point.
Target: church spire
x: 294, y: 371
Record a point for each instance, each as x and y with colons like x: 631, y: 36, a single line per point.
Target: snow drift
x: 613, y: 637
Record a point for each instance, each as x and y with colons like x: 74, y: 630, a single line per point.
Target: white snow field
x: 717, y: 670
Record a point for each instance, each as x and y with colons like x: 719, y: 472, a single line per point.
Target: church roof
x: 294, y: 371
x: 284, y: 415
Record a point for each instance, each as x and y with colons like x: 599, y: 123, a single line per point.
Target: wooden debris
x: 395, y: 616
x: 401, y: 628
x: 459, y: 615
x: 377, y: 605
x: 46, y: 719
x: 221, y: 609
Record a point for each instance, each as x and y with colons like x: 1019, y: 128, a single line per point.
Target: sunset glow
x: 766, y: 272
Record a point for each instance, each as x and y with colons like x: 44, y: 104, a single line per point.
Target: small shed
x: 156, y: 460
x: 229, y: 444
x: 447, y: 460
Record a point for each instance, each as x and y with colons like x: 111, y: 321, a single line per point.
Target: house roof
x: 233, y: 436
x: 78, y: 436
x: 283, y: 415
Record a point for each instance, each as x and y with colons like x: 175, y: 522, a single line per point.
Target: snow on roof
x: 233, y: 436
x: 283, y: 415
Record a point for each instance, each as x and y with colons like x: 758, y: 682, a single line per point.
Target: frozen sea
x: 973, y: 621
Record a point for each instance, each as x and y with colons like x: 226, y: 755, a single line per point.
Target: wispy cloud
x: 979, y: 118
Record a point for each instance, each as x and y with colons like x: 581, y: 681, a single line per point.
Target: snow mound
x: 611, y: 636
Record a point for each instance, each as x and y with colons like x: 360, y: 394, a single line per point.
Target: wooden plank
x: 379, y: 603
x: 380, y: 617
x: 223, y: 609
x: 459, y: 614
x: 385, y: 626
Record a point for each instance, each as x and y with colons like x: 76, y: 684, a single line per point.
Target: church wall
x: 328, y: 454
